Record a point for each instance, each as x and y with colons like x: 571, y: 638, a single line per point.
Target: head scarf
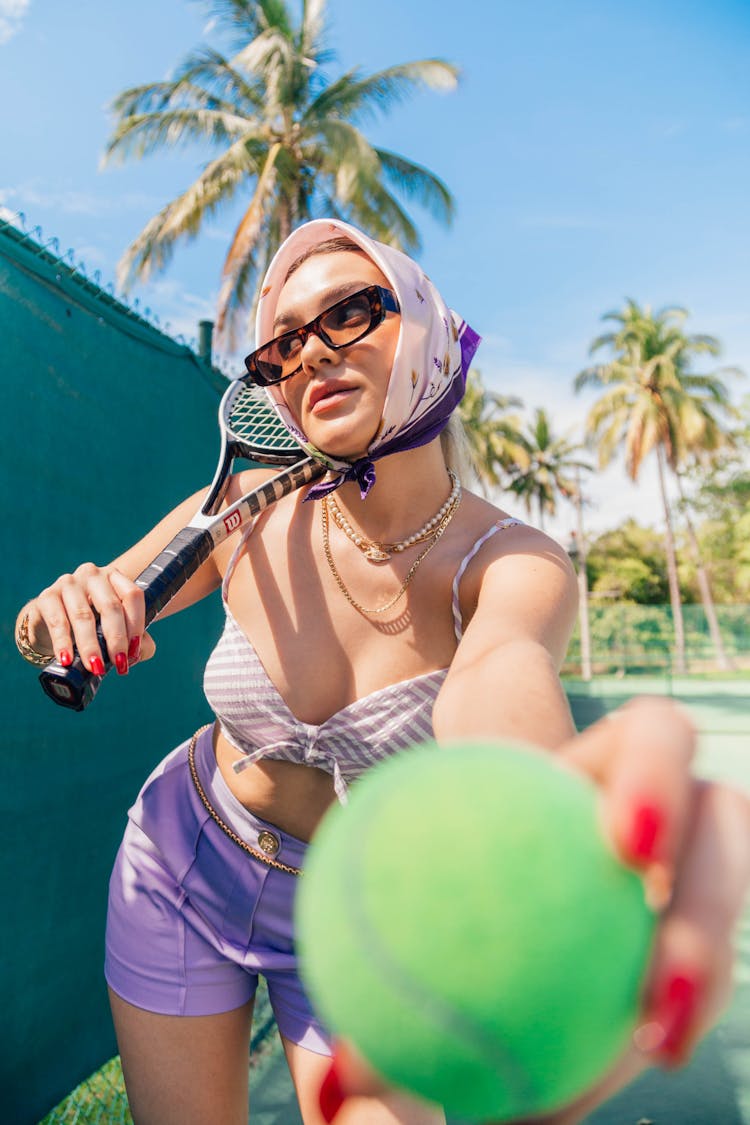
x: 433, y: 353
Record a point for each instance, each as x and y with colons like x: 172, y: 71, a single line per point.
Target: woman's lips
x: 328, y: 397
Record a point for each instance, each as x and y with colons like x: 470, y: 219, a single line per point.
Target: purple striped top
x: 255, y: 719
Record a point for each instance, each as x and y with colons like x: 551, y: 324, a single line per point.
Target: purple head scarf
x: 434, y: 350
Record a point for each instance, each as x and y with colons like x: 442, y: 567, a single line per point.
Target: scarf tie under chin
x: 432, y: 358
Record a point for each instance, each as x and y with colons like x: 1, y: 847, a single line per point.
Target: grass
x: 99, y: 1100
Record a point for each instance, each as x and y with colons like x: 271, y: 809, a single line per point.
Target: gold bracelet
x: 27, y: 650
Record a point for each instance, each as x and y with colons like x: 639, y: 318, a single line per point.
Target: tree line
x: 652, y: 404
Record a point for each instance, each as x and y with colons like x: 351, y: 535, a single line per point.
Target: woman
x: 393, y: 605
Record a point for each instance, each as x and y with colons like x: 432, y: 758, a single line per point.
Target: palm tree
x: 550, y: 467
x: 286, y: 139
x: 653, y: 403
x: 492, y: 432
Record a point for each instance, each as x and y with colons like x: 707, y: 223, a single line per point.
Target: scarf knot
x: 362, y: 470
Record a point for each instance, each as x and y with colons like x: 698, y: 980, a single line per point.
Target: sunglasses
x: 342, y: 324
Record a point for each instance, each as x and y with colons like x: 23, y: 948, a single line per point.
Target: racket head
x: 253, y: 428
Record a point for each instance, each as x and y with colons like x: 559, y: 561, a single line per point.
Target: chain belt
x: 256, y: 853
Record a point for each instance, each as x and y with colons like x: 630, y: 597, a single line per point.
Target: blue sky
x: 596, y: 150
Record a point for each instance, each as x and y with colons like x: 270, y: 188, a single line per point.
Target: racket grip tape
x: 170, y: 570
x: 74, y: 687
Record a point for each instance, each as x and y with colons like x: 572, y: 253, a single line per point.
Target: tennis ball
x: 464, y: 924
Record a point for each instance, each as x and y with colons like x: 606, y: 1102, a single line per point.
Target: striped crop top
x: 254, y: 718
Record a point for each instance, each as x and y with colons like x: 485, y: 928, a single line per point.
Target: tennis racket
x: 250, y: 429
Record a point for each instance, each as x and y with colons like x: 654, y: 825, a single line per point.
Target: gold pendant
x: 376, y: 554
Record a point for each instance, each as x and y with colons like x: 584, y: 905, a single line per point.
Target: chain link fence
x: 629, y: 639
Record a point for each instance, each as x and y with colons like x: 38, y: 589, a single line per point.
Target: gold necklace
x: 437, y: 533
x: 381, y: 552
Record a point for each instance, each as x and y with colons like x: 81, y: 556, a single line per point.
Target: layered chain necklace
x: 380, y: 552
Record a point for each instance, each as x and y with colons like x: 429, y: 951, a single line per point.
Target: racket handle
x: 74, y: 687
x: 170, y: 570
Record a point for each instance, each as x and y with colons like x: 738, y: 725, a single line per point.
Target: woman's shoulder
x: 516, y: 583
x: 503, y: 532
x: 505, y: 559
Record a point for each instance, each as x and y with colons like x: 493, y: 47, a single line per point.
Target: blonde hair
x: 338, y: 245
x: 456, y: 449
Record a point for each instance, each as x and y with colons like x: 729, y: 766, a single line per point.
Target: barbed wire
x: 49, y: 248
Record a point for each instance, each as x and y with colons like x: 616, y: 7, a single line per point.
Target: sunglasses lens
x: 352, y: 318
x: 344, y: 323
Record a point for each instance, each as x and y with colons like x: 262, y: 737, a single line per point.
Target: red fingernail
x: 331, y: 1097
x: 134, y: 649
x: 121, y: 664
x: 65, y: 657
x: 674, y: 1012
x: 646, y: 834
x: 96, y: 665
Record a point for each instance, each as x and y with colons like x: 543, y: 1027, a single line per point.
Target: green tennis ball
x: 463, y: 923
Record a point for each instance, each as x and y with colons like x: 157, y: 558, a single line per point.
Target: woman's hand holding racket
x: 250, y: 430
x: 93, y: 611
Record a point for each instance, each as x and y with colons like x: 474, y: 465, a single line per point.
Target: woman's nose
x: 314, y: 350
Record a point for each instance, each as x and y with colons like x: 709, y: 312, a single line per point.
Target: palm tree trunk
x: 583, y: 587
x: 680, y: 666
x: 285, y: 221
x: 722, y: 659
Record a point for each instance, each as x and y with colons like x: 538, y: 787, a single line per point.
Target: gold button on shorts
x: 268, y: 843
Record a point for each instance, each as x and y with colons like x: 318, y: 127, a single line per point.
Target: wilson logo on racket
x: 232, y: 522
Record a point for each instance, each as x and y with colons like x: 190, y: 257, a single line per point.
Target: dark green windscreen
x: 107, y: 423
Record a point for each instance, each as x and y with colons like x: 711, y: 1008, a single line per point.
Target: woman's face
x: 337, y: 397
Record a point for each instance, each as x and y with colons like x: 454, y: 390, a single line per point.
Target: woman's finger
x: 641, y: 756
x: 145, y: 650
x: 47, y: 614
x: 690, y: 981
x: 86, y: 595
x: 77, y: 607
x: 133, y: 609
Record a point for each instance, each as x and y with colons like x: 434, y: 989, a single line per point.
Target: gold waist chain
x: 256, y: 853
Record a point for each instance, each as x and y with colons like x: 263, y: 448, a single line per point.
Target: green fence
x: 628, y: 639
x: 89, y: 389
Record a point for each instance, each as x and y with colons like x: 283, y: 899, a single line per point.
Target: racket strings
x: 253, y: 421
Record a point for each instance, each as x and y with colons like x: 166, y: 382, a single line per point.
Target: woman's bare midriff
x: 291, y: 796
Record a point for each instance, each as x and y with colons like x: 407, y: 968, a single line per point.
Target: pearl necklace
x: 436, y: 534
x: 381, y: 552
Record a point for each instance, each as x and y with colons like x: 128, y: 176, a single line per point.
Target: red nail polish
x: 96, y: 665
x: 674, y: 1011
x: 65, y: 657
x: 646, y: 834
x: 121, y: 664
x: 134, y: 649
x: 331, y: 1096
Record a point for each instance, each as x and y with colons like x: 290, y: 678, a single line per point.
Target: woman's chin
x: 343, y: 446
x: 343, y: 454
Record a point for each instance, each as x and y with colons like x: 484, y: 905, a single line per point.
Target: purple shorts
x: 193, y: 919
